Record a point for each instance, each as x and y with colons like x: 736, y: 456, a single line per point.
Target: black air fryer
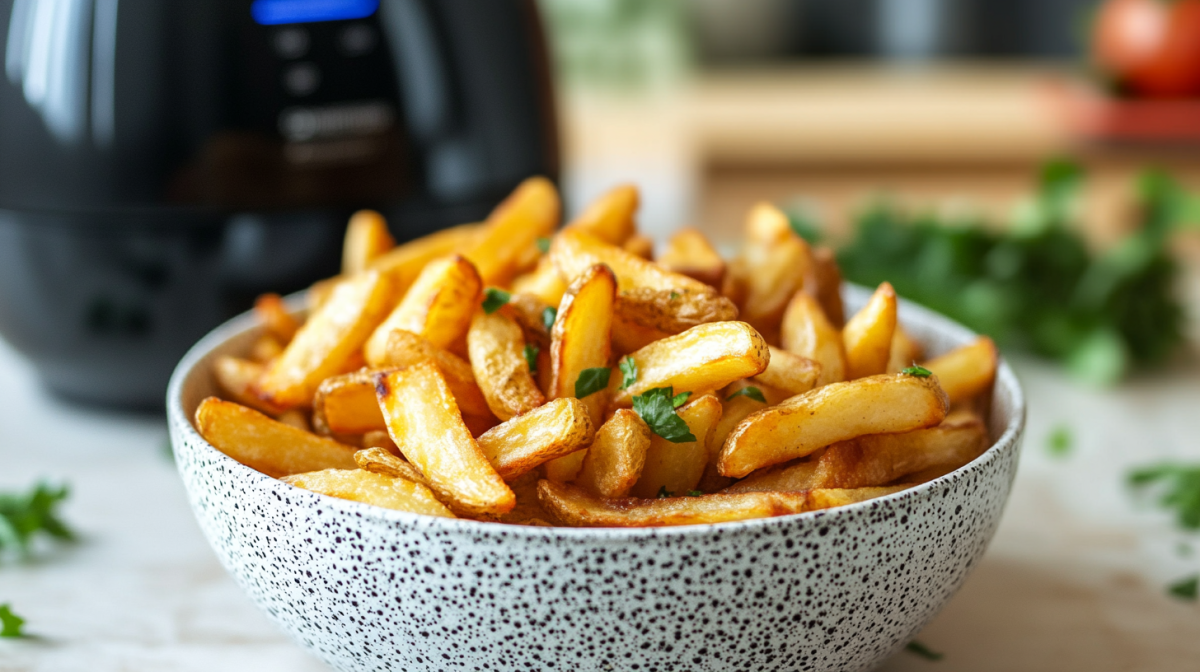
x: 164, y: 161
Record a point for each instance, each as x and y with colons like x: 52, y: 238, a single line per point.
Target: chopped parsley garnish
x: 24, y: 515
x: 695, y: 493
x: 917, y: 371
x: 494, y: 299
x: 663, y: 493
x: 1180, y: 488
x: 10, y: 623
x: 922, y: 650
x: 549, y: 315
x: 1185, y: 589
x: 657, y: 408
x: 748, y: 391
x: 531, y: 353
x: 680, y: 399
x: 629, y: 372
x: 674, y: 295
x: 543, y: 245
x: 591, y: 381
x: 1060, y: 442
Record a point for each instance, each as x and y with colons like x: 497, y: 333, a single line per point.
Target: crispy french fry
x: 379, y: 438
x: 629, y: 336
x: 278, y: 319
x: 530, y: 212
x: 826, y: 415
x: 497, y: 354
x: 405, y: 348
x: 530, y: 314
x: 543, y: 282
x: 736, y: 284
x: 824, y: 283
x: 677, y: 467
x: 237, y: 377
x: 426, y: 425
x: 639, y: 246
x: 829, y: 498
x: 611, y: 217
x: 295, y: 417
x: 574, y: 506
x: 522, y: 444
x: 266, y: 349
x: 789, y: 373
x: 867, y: 337
x: 667, y: 312
x: 778, y: 261
x: 581, y: 337
x: 967, y: 371
x: 329, y: 340
x: 367, y: 238
x: 381, y: 461
x: 807, y: 332
x: 690, y: 253
x: 734, y: 410
x: 405, y: 262
x: 438, y: 307
x: 358, y: 485
x: 528, y: 510
x: 795, y: 476
x: 701, y: 359
x: 267, y: 445
x: 614, y: 461
x: 346, y: 404
x: 905, y: 351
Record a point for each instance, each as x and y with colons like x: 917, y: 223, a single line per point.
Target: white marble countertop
x: 1075, y: 579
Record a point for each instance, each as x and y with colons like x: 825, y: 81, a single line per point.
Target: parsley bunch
x: 24, y: 515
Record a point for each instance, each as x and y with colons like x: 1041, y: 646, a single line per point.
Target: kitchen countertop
x: 1074, y: 580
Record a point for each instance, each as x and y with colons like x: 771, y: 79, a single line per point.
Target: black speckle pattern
x: 374, y: 589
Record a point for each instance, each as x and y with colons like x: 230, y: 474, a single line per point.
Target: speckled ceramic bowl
x: 373, y: 589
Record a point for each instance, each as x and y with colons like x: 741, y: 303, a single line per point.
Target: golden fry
x: 346, y: 404
x: 789, y: 373
x: 677, y: 467
x: 405, y: 348
x: 512, y: 229
x: 734, y: 410
x: 267, y: 445
x: 629, y: 336
x: 279, y: 321
x: 905, y: 351
x: 826, y: 415
x: 543, y: 282
x: 824, y: 283
x: 701, y: 359
x: 329, y: 340
x: 237, y: 378
x: 425, y: 424
x: 829, y: 498
x: 381, y: 461
x: 670, y: 312
x: 358, y: 485
x: 522, y: 444
x: 367, y: 238
x: 611, y: 217
x: 574, y: 506
x: 807, y: 332
x: 581, y: 337
x: 438, y: 307
x: 614, y: 461
x: 867, y: 337
x: 497, y: 355
x: 777, y: 261
x: 967, y: 371
x: 405, y: 262
x: 639, y: 246
x: 690, y: 253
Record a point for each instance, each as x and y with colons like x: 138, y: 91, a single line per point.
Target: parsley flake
x: 917, y: 371
x: 1185, y: 589
x: 1060, y: 441
x: 629, y: 372
x: 494, y: 299
x: 680, y: 399
x: 543, y: 245
x: 922, y: 650
x: 24, y: 515
x: 10, y: 623
x: 591, y: 381
x: 695, y: 493
x: 749, y: 391
x: 657, y: 408
x: 549, y: 315
x: 531, y: 353
x: 663, y: 493
x: 674, y: 295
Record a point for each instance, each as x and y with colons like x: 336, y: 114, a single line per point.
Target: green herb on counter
x: 1185, y: 589
x: 749, y: 391
x: 549, y: 315
x: 922, y: 650
x: 657, y: 408
x: 1180, y: 488
x: 917, y: 371
x: 591, y: 381
x: 22, y: 516
x: 10, y: 624
x: 1060, y: 442
x: 629, y: 372
x: 494, y: 299
x: 531, y: 353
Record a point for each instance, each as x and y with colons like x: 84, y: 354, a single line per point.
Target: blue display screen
x: 277, y: 12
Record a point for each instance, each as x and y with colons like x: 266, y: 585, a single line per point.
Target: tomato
x: 1150, y: 46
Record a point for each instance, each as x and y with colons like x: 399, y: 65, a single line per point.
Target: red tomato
x: 1151, y: 46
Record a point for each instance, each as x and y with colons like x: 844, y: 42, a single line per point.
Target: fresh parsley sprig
x: 591, y: 381
x: 629, y: 372
x: 1187, y: 588
x: 549, y: 315
x: 531, y: 355
x: 10, y: 624
x: 24, y: 515
x: 494, y: 299
x: 749, y: 391
x: 917, y: 371
x: 657, y: 408
x: 1180, y: 488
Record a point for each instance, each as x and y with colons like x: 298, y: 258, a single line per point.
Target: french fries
x: 701, y: 359
x: 328, y: 341
x: 438, y: 307
x: 424, y: 421
x: 690, y: 253
x: 363, y: 486
x: 270, y: 446
x: 807, y: 332
x: 835, y: 412
x: 497, y: 353
x: 367, y: 237
x: 867, y: 337
x: 574, y: 506
x: 614, y: 461
x: 552, y: 402
x: 677, y: 467
x: 967, y: 371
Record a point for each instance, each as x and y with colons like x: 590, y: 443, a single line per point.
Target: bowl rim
x: 1005, y: 378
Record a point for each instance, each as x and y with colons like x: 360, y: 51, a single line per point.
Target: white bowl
x: 366, y: 588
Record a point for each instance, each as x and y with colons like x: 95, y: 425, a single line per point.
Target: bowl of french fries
x: 515, y: 445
